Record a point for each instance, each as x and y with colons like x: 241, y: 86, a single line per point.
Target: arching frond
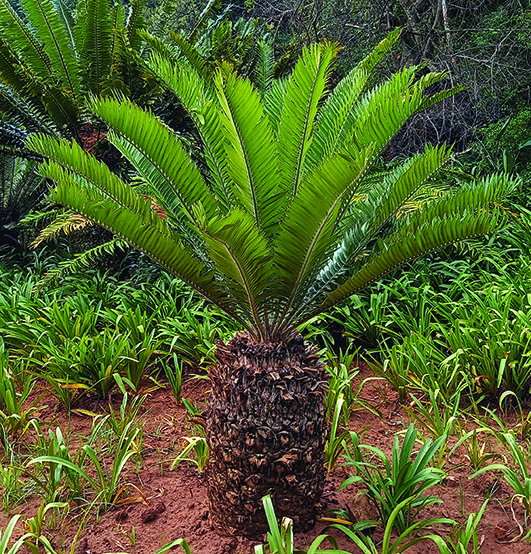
x: 304, y: 91
x: 95, y: 43
x: 264, y: 72
x: 442, y: 222
x: 243, y: 255
x: 307, y: 231
x: 22, y: 40
x: 335, y: 121
x: 54, y: 37
x: 190, y: 52
x: 198, y: 99
x: 79, y: 262
x: 251, y: 152
x: 366, y: 216
x: 158, y: 156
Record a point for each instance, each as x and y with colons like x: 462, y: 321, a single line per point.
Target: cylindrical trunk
x: 266, y: 430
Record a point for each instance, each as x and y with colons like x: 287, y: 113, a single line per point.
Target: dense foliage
x: 202, y: 133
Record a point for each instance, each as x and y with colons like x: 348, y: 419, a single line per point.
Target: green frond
x: 79, y: 262
x: 66, y: 10
x: 307, y: 232
x: 72, y: 157
x: 274, y: 101
x: 131, y: 219
x: 51, y: 31
x: 157, y: 154
x: 242, y: 254
x: 264, y: 71
x: 407, y: 247
x: 61, y: 107
x: 251, y: 153
x: 385, y: 109
x: 135, y: 22
x: 444, y: 221
x: 365, y: 217
x: 14, y: 31
x: 335, y: 121
x: 304, y: 91
x: 191, y: 53
x: 21, y: 188
x: 95, y: 43
x: 10, y: 71
x: 167, y: 51
x: 199, y: 100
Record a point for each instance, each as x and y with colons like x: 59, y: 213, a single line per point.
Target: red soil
x: 178, y: 504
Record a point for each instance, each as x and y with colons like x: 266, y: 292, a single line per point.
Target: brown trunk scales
x: 266, y: 430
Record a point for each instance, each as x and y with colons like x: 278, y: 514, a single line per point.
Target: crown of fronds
x: 287, y: 220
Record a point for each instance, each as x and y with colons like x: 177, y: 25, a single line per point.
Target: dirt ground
x: 178, y: 504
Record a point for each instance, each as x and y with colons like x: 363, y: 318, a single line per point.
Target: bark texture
x: 266, y: 430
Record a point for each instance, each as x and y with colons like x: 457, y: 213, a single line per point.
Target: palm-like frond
x: 14, y: 31
x: 65, y: 223
x: 158, y: 156
x: 198, y: 99
x: 366, y: 217
x: 53, y: 35
x: 250, y: 150
x: 265, y: 67
x: 287, y: 215
x: 79, y: 262
x: 447, y: 220
x: 299, y: 110
x: 335, y: 120
x: 95, y: 43
x: 191, y: 53
x: 243, y: 255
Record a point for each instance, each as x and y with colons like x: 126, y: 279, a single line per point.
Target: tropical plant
x: 283, y: 225
x: 53, y: 58
x: 280, y: 538
x: 21, y: 189
x: 403, y: 541
x: 399, y: 479
x: 519, y: 478
x: 7, y: 534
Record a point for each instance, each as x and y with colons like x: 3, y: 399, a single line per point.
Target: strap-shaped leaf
x: 304, y: 91
x: 334, y: 123
x: 242, y: 254
x: 307, y: 231
x: 54, y: 36
x: 158, y: 155
x: 251, y: 153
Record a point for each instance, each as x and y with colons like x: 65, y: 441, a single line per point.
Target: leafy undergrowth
x: 103, y: 383
x: 149, y: 505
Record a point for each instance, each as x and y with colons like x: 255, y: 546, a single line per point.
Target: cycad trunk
x: 266, y: 430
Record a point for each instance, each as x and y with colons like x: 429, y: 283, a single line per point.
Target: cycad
x: 285, y: 223
x: 49, y: 64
